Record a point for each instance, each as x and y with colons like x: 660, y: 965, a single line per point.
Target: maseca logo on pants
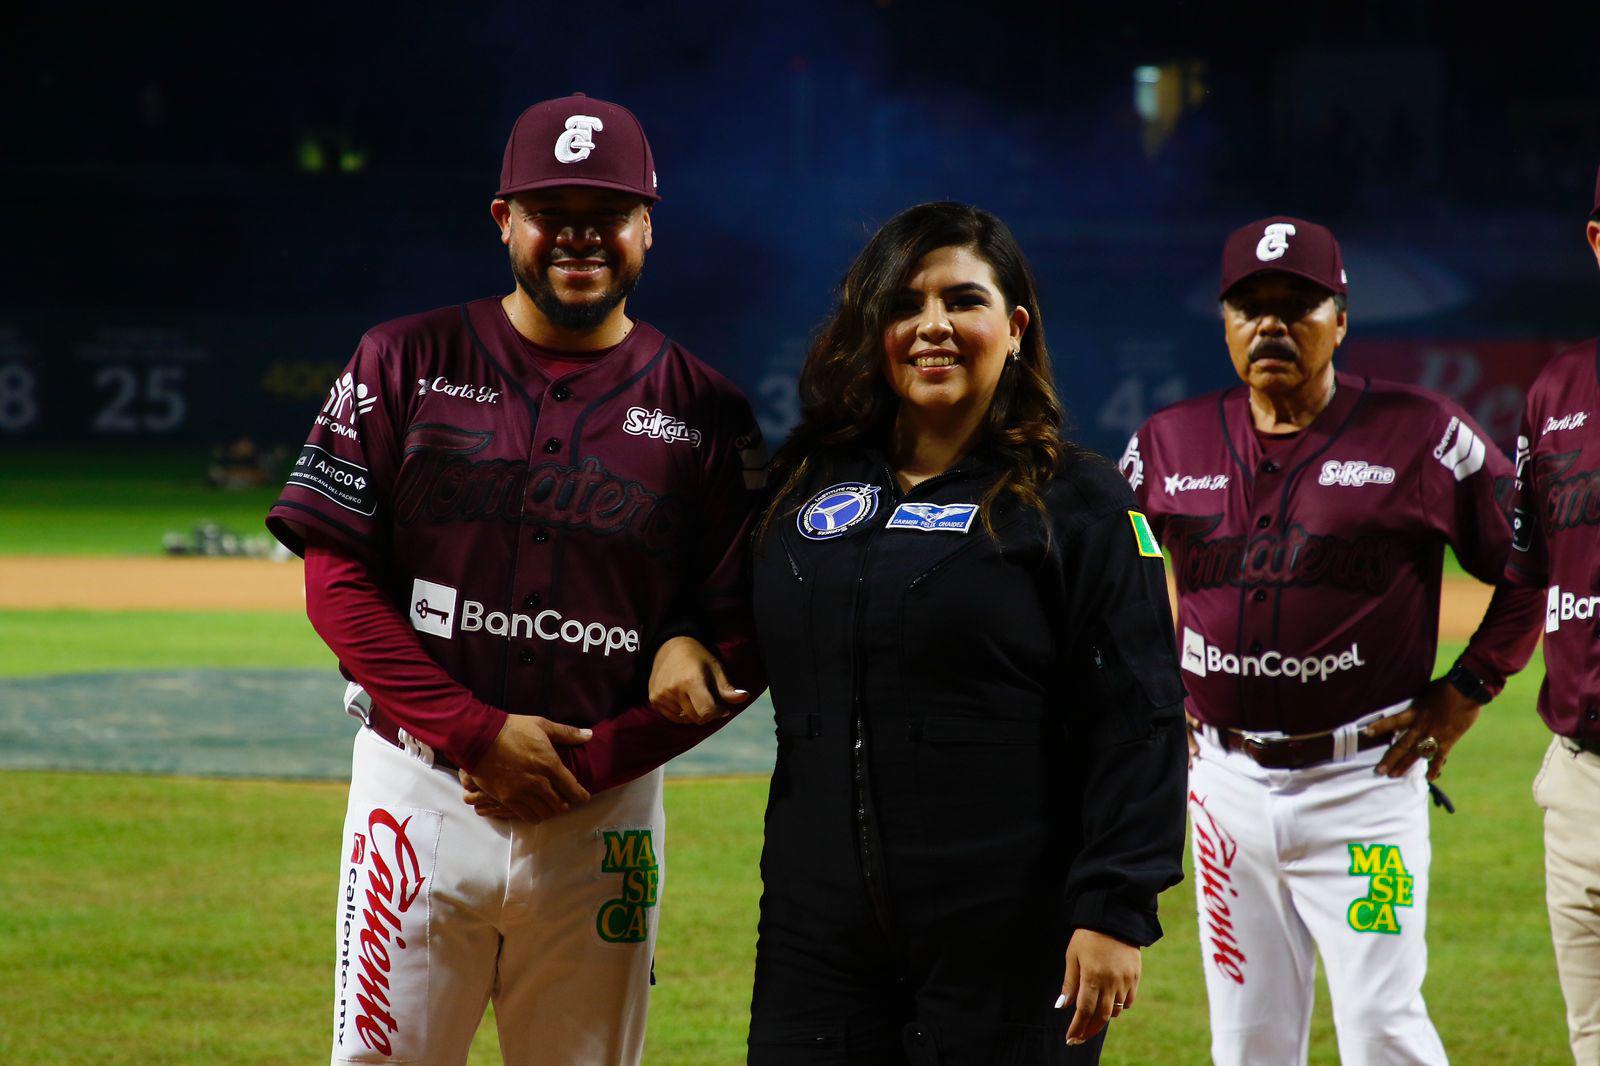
x: 433, y: 611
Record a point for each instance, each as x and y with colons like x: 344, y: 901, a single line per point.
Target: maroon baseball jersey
x: 538, y: 533
x: 1308, y: 573
x: 1556, y: 544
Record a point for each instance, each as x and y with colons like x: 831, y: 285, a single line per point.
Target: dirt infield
x: 31, y: 582
x: 117, y: 583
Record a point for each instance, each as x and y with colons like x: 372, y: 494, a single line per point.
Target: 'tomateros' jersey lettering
x: 1556, y: 544
x: 538, y: 533
x: 1308, y: 576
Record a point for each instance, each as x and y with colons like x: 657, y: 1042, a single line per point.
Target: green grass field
x: 114, y: 503
x: 180, y: 920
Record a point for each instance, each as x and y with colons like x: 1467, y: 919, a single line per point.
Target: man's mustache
x: 1274, y: 349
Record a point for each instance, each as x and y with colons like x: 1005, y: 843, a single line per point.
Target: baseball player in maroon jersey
x: 1556, y: 548
x: 506, y: 508
x: 1307, y: 514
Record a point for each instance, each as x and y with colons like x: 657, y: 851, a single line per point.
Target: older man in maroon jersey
x: 1556, y: 548
x: 506, y: 509
x: 1307, y: 514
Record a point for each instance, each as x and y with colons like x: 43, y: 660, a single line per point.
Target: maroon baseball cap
x: 578, y: 140
x: 1284, y: 245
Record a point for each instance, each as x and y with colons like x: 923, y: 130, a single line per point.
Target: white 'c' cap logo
x: 576, y: 143
x: 1274, y: 241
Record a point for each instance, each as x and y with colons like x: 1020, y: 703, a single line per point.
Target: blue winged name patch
x: 934, y: 517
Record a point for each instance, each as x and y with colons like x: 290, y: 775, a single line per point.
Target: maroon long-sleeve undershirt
x: 1505, y: 639
x: 378, y: 648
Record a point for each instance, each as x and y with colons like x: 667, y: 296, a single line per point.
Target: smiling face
x: 576, y: 251
x: 949, y: 333
x: 1282, y: 331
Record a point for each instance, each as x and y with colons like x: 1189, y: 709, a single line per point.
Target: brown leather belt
x: 390, y: 731
x: 1290, y: 753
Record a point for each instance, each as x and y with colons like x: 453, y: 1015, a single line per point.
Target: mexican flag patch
x: 1143, y: 536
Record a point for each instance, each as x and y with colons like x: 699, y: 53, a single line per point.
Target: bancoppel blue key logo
x: 934, y: 517
x: 837, y: 508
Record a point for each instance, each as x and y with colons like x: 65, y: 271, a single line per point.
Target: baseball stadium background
x: 200, y: 211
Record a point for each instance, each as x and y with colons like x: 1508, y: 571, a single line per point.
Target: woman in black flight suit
x: 980, y: 782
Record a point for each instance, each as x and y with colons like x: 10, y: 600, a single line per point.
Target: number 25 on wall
x: 152, y: 401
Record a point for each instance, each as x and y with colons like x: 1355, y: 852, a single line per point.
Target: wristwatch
x: 1469, y: 684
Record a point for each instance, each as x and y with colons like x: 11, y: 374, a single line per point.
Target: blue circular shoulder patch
x: 837, y: 508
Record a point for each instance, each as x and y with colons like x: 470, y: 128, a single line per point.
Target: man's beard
x: 578, y: 317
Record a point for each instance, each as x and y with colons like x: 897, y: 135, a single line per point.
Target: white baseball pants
x: 441, y: 910
x: 1288, y: 863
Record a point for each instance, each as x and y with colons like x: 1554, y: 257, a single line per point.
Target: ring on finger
x: 1426, y: 748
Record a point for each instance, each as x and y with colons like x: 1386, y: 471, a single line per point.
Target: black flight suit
x: 979, y: 750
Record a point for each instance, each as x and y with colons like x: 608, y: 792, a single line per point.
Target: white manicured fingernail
x: 741, y: 692
x: 1061, y: 1001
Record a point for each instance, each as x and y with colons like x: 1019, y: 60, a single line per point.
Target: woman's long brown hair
x: 846, y: 400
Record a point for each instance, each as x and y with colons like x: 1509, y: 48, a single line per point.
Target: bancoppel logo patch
x: 1132, y: 463
x: 433, y: 608
x: 1353, y: 473
x: 836, y: 509
x: 1203, y: 659
x: 1194, y: 652
x: 1568, y: 607
x: 1176, y: 483
x: 345, y: 483
x: 475, y: 393
x: 548, y: 626
x: 1274, y: 241
x: 642, y: 422
x: 1572, y: 421
x: 575, y: 144
x: 933, y: 517
x: 1460, y: 450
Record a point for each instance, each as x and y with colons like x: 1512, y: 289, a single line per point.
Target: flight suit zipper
x: 872, y: 875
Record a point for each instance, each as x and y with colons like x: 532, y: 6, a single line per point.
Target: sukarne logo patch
x: 642, y: 422
x: 1355, y: 472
